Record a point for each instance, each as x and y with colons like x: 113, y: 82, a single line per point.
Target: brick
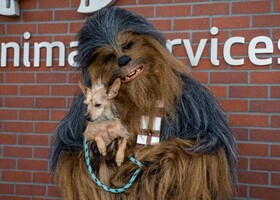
x: 8, y: 138
x: 8, y: 89
x: 275, y: 150
x: 63, y: 90
x: 45, y: 127
x: 205, y: 64
x: 42, y: 153
x: 125, y: 2
x: 146, y: 11
x: 36, y: 16
x: 219, y: 91
x: 53, y: 191
x: 210, y: 9
x: 20, y: 77
x: 33, y: 190
x: 265, y: 164
x: 66, y: 40
x: 2, y: 29
x: 50, y: 102
x: 19, y: 127
x: 241, y: 134
x: 41, y: 177
x: 276, y: 6
x: 162, y: 24
x: 268, y: 193
x: 21, y: 28
x: 265, y: 77
x: 265, y: 106
x: 265, y: 135
x: 20, y: 152
x: 275, y: 91
x: 8, y: 114
x: 253, y: 177
x: 248, y: 91
x: 266, y: 21
x: 30, y: 165
x: 228, y: 77
x: 15, y: 198
x: 253, y: 149
x: 53, y: 4
x: 201, y: 77
x: 6, y: 188
x: 7, y: 163
x: 19, y: 102
x: 154, y: 1
x: 171, y: 11
x: 241, y: 191
x: 57, y: 115
x: 191, y: 24
x: 35, y: 90
x: 75, y: 27
x: 34, y: 115
x: 275, y: 178
x: 231, y: 22
x: 16, y: 176
x: 250, y: 34
x: 234, y: 105
x: 275, y: 121
x: 33, y: 140
x: 53, y: 28
x: 250, y: 7
x: 74, y: 77
x: 67, y: 15
x: 248, y: 120
x: 222, y: 36
x: 51, y: 77
x: 243, y: 163
x: 30, y: 4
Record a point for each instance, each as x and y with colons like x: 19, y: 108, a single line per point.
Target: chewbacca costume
x: 195, y: 157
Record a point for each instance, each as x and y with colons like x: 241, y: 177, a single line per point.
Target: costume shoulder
x: 69, y: 131
x: 199, y: 117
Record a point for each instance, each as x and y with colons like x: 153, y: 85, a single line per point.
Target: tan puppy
x: 103, y: 125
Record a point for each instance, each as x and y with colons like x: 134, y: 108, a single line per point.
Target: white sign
x: 257, y: 55
x: 254, y: 53
x: 9, y: 7
x: 90, y: 6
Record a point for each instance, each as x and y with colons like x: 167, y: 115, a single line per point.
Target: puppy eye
x: 97, y: 105
x: 127, y: 46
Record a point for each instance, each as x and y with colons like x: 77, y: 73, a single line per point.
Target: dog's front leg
x: 100, y: 144
x: 121, y: 151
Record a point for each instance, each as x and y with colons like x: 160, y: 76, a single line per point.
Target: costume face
x: 143, y: 65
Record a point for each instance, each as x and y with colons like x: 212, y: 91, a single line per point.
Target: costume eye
x: 97, y: 105
x: 127, y: 46
x: 108, y: 58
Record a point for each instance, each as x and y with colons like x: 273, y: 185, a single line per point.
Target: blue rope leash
x: 100, y: 184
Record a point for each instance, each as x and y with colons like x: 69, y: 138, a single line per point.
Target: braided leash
x: 100, y: 184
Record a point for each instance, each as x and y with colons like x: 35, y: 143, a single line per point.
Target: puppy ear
x: 114, y: 89
x: 83, y: 87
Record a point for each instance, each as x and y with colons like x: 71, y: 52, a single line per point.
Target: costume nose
x: 123, y: 60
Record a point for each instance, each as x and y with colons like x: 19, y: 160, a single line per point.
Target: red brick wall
x: 33, y: 100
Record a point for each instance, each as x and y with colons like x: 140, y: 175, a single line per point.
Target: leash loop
x: 99, y: 183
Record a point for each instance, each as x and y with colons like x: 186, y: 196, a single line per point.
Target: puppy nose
x: 123, y: 60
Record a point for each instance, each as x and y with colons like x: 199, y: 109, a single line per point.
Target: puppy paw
x: 103, y: 151
x: 119, y: 159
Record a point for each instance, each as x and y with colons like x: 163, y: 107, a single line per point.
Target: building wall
x: 34, y: 99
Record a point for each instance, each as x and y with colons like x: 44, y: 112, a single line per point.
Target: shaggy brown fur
x: 173, y: 174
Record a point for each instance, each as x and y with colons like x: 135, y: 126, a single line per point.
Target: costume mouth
x: 133, y: 74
